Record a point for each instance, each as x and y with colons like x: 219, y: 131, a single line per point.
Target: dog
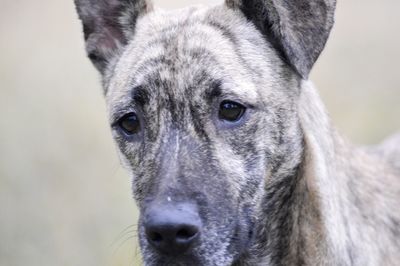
x: 233, y: 157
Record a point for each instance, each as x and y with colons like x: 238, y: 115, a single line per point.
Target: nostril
x: 186, y: 234
x: 155, y: 237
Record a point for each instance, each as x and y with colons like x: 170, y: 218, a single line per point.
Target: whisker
x: 126, y: 230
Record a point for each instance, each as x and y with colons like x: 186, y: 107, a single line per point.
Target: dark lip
x: 247, y: 237
x: 177, y: 260
x: 190, y: 260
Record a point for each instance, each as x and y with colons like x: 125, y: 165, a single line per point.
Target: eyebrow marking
x: 140, y: 95
x: 214, y: 91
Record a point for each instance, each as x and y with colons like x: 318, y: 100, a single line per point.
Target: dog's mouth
x: 222, y: 250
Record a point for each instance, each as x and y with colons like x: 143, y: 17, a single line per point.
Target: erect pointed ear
x: 298, y: 29
x: 108, y: 25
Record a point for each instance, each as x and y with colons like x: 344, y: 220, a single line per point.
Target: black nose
x: 172, y: 229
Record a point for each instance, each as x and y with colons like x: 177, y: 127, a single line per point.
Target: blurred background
x: 64, y: 199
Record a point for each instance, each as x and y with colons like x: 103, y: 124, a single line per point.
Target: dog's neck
x: 321, y: 180
x: 329, y: 169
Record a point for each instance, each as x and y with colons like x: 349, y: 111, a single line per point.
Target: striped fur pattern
x: 280, y: 187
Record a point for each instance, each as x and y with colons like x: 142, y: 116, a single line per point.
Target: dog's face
x: 200, y: 120
x: 203, y: 108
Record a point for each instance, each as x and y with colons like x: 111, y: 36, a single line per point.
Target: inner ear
x: 108, y: 25
x: 298, y: 29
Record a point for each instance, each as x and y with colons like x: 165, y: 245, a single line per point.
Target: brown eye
x: 231, y: 111
x: 130, y: 124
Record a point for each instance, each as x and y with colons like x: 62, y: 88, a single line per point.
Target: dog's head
x: 203, y: 107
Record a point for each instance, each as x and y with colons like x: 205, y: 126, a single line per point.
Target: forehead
x: 189, y: 48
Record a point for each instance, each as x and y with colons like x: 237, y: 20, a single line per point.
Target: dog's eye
x: 129, y: 124
x: 231, y: 111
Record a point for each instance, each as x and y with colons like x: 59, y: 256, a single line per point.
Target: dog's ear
x: 299, y: 29
x: 108, y: 25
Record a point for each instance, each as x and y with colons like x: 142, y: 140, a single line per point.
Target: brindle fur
x: 282, y: 187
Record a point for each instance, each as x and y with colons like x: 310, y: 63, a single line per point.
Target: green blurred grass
x: 64, y: 199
